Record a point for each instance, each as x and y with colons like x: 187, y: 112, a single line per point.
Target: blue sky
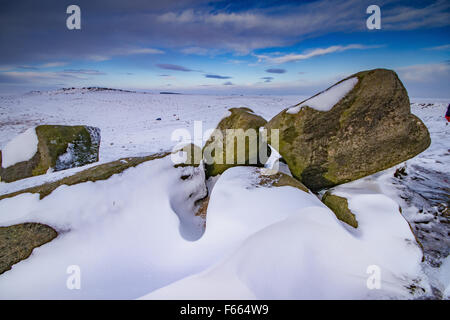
x: 223, y: 47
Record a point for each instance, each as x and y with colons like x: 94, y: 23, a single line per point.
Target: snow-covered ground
x: 134, y: 235
x: 127, y: 120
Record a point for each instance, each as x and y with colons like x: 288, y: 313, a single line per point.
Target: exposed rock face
x: 18, y: 241
x: 339, y: 205
x: 370, y: 129
x: 59, y: 148
x: 246, y: 126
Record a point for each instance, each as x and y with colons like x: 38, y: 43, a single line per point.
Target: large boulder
x: 18, y: 241
x: 361, y: 125
x: 46, y: 147
x: 239, y: 131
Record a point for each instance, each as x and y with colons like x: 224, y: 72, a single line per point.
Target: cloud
x: 124, y: 52
x: 193, y: 26
x: 139, y: 51
x: 292, y: 57
x: 53, y: 64
x: 38, y: 77
x: 195, y: 50
x: 84, y: 71
x: 403, y: 17
x: 174, y: 67
x: 267, y: 79
x: 43, y: 66
x: 215, y: 76
x: 424, y: 72
x: 426, y: 80
x: 228, y: 83
x: 28, y: 67
x: 273, y: 70
x: 440, y: 48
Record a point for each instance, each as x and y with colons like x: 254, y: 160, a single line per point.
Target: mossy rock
x: 246, y: 126
x: 193, y: 155
x: 281, y: 179
x: 59, y: 148
x: 339, y: 205
x: 368, y: 130
x: 18, y: 241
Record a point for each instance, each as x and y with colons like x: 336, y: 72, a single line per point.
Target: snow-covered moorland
x: 134, y: 235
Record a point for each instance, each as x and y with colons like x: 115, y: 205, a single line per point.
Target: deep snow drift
x: 134, y: 235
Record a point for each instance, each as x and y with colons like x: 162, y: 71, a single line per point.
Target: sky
x: 222, y: 47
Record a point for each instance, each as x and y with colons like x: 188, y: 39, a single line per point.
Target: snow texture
x: 136, y: 235
x: 326, y: 100
x: 293, y: 247
x: 21, y: 148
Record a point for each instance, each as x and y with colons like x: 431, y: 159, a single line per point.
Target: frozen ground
x: 131, y: 234
x: 127, y: 120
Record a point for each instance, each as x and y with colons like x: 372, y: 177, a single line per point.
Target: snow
x: 127, y: 237
x: 127, y: 120
x: 297, y: 249
x: 66, y: 159
x: 125, y: 233
x: 326, y: 100
x: 21, y: 148
x: 135, y: 235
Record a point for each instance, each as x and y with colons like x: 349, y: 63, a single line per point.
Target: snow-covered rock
x: 327, y: 99
x: 22, y: 148
x: 49, y: 147
x: 288, y: 245
x: 369, y: 129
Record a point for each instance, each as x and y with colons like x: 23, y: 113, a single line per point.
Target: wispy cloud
x: 53, y: 64
x: 228, y: 83
x: 85, y: 71
x: 215, y: 76
x: 436, y: 14
x: 196, y: 50
x: 38, y: 77
x: 173, y: 67
x: 424, y: 72
x: 440, y: 48
x: 267, y: 79
x: 292, y: 57
x: 274, y: 70
x: 123, y: 52
x: 43, y: 66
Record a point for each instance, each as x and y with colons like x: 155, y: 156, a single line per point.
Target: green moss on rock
x: 243, y: 119
x: 18, y: 241
x: 59, y: 148
x: 339, y: 205
x: 368, y: 130
x: 281, y: 179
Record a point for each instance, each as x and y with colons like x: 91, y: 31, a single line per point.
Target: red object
x: 448, y: 118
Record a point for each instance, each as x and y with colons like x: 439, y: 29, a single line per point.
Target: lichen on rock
x: 339, y: 205
x: 239, y: 131
x: 18, y: 241
x: 370, y: 129
x: 59, y: 148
